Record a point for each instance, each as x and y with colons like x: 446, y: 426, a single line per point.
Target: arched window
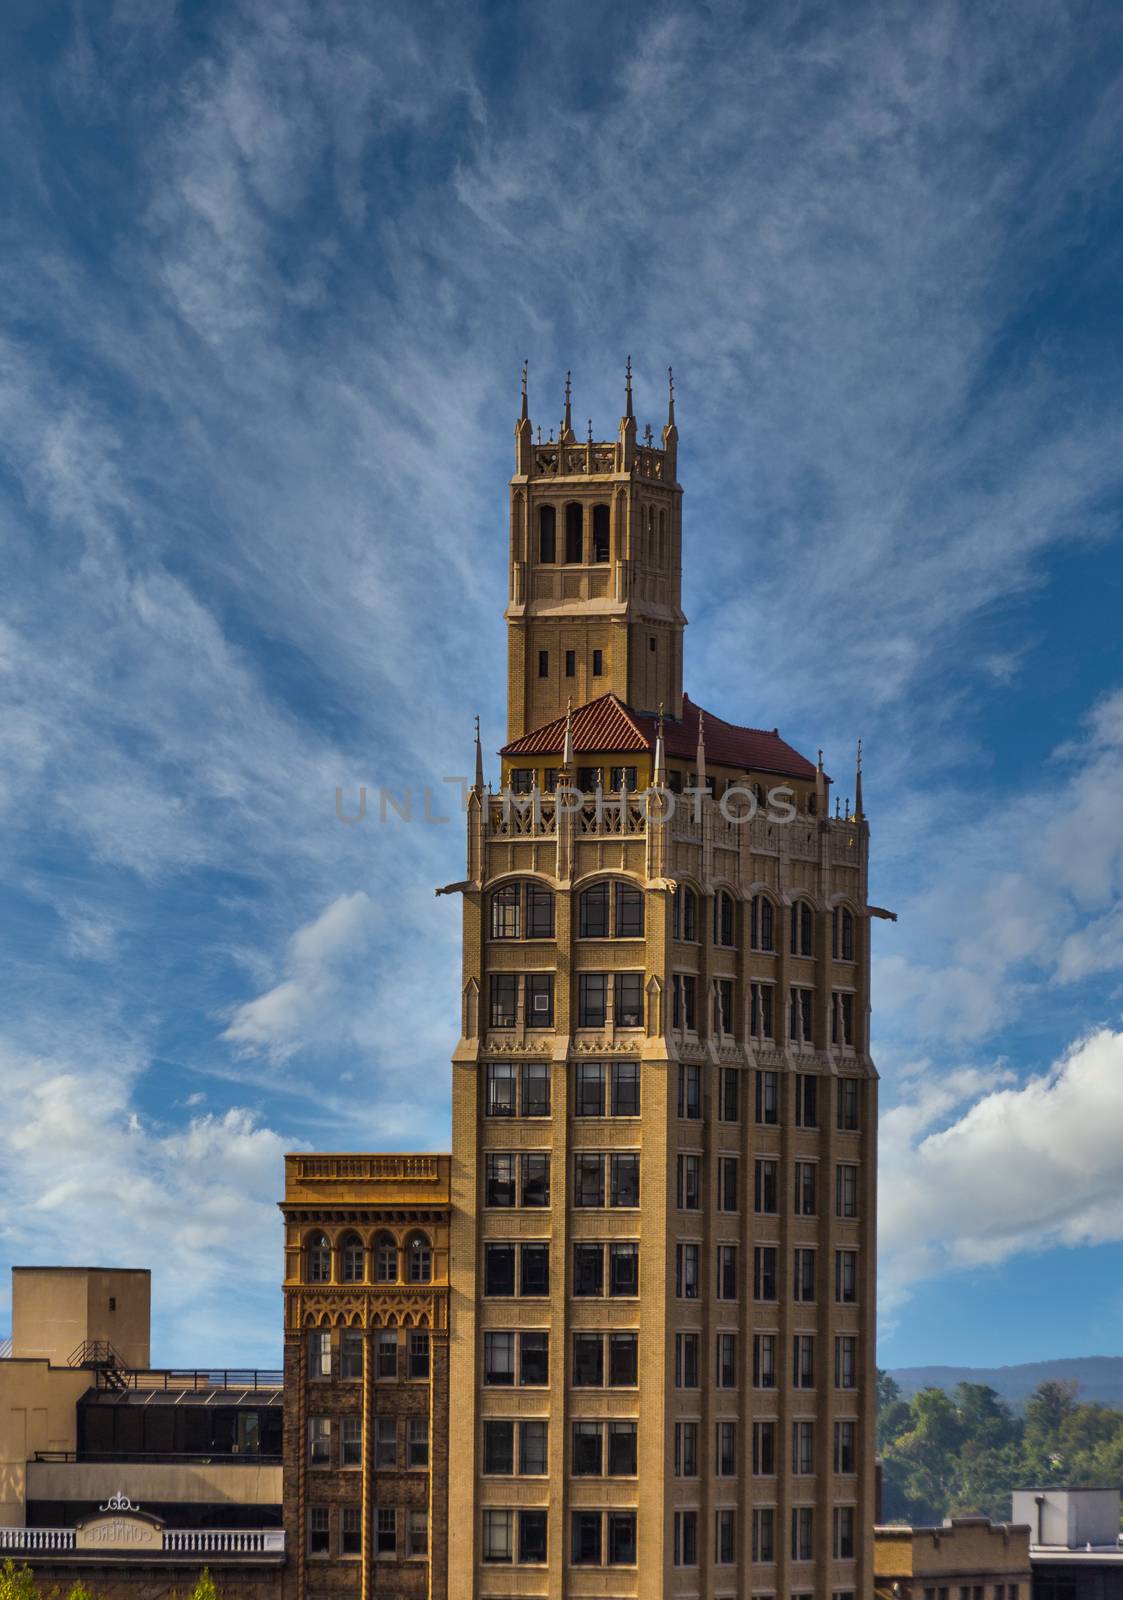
x: 522, y: 911
x: 801, y: 930
x: 351, y: 1262
x: 685, y: 914
x: 724, y: 923
x: 611, y: 911
x: 842, y: 934
x: 763, y: 923
x: 419, y: 1254
x: 574, y: 532
x: 505, y: 919
x: 319, y: 1259
x: 385, y: 1259
x: 600, y: 533
x: 547, y: 534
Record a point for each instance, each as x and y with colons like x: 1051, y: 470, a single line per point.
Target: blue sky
x: 268, y: 272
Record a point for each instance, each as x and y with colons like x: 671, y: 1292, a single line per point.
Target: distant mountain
x: 1099, y: 1377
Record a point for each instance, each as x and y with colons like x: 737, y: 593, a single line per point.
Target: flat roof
x: 147, y: 1271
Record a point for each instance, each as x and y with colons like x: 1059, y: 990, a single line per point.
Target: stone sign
x: 119, y: 1525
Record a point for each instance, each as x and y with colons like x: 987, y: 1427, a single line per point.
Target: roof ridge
x: 742, y: 727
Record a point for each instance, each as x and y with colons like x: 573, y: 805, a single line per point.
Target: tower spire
x: 859, y: 814
x: 820, y: 789
x: 567, y: 420
x: 659, y: 775
x: 628, y: 389
x: 479, y: 758
x: 700, y: 759
x: 525, y: 413
x: 670, y: 397
x: 567, y: 746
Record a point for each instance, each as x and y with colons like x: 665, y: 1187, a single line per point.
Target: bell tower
x: 595, y: 596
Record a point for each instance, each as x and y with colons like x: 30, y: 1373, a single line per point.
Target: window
x: 351, y: 1442
x: 801, y: 1533
x: 843, y: 1542
x: 499, y: 1180
x: 803, y: 1360
x: 628, y: 899
x: 417, y: 1442
x: 846, y: 1277
x: 588, y: 779
x: 624, y: 1172
x: 319, y: 1353
x: 598, y: 663
x: 768, y: 1098
x: 589, y: 1360
x: 499, y: 1448
x: 588, y: 1179
x: 600, y: 533
x: 533, y: 1449
x: 417, y: 1534
x: 846, y: 1190
x: 686, y: 1449
x: 499, y: 1360
x: 535, y: 1178
x: 690, y: 1092
x: 574, y: 533
x: 319, y: 1536
x: 592, y: 999
x: 536, y: 1089
x: 386, y: 1442
x: 352, y: 1260
x: 543, y: 663
x: 586, y: 1542
x: 685, y: 915
x: 628, y: 1000
x: 686, y: 1361
x: 760, y: 1010
x: 419, y: 1254
x: 686, y: 1271
x: 385, y: 1532
x: 499, y: 1269
x: 351, y: 1531
x: 762, y: 921
x: 849, y: 1090
x: 319, y: 1259
x: 539, y: 999
x: 724, y: 919
x: 504, y: 999
x: 727, y: 1183
x: 726, y: 1283
x: 505, y: 907
x: 842, y: 934
x: 588, y: 1270
x: 766, y: 1188
x: 532, y: 1536
x: 547, y: 535
x: 571, y: 663
x: 764, y: 1449
x: 725, y: 1366
x: 502, y: 1083
x: 686, y: 1539
x: 498, y: 1540
x: 801, y: 943
x: 521, y: 780
x: 621, y: 1538
x: 846, y: 1362
x: 803, y: 1448
x: 801, y: 1015
x: 539, y: 912
x: 534, y: 1360
x: 682, y: 1000
x: 589, y: 1089
x: 806, y: 1100
x: 386, y: 1353
x: 729, y: 1095
x: 587, y: 1458
x: 351, y: 1353
x: 534, y: 1269
x: 803, y: 1275
x: 625, y: 1089
x: 623, y: 1269
x: 764, y: 1533
x: 725, y: 1450
x: 805, y: 1188
x: 319, y: 1441
x: 842, y: 1018
x: 689, y: 1183
x: 845, y: 1448
x: 764, y: 1360
x: 764, y: 1271
x: 723, y: 996
x: 419, y: 1355
x: 725, y: 1536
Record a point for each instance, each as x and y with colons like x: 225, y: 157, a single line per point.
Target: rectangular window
x: 725, y: 1371
x: 801, y: 1533
x: 686, y: 1361
x: 766, y: 1188
x: 319, y: 1441
x: 729, y: 1096
x: 585, y: 1544
x: 543, y: 663
x: 419, y: 1355
x: 588, y: 779
x: 805, y: 1188
x: 588, y: 1270
x: 385, y: 1532
x: 725, y: 1450
x: 627, y: 1000
x: 534, y: 1269
x: 621, y: 1538
x: 536, y: 1089
x: 588, y: 1361
x: 504, y: 999
x: 598, y: 663
x: 534, y: 1438
x: 592, y: 999
x: 540, y: 999
x: 686, y: 1539
x: 765, y: 1271
x: 725, y: 1536
x: 534, y: 1360
x: 622, y: 1450
x: 629, y: 899
x: 350, y: 1531
x: 800, y: 1021
x: 601, y: 516
x: 806, y: 1100
x: 803, y: 1448
x: 846, y: 1362
x: 623, y: 1360
x: 686, y: 1271
x: 690, y: 1092
x: 726, y: 1282
x: 843, y: 1542
x: 764, y: 1360
x: 846, y: 1277
x: 803, y: 1275
x: 351, y: 1442
x: 760, y: 1010
x: 803, y: 1360
x: 727, y: 1183
x: 689, y: 1183
x: 688, y: 986
x: 499, y: 1359
x: 764, y: 1533
x: 571, y: 663
x: 848, y: 1093
x: 417, y: 1534
x: 386, y: 1354
x: 521, y: 780
x: 846, y: 1190
x: 768, y: 1098
x: 502, y: 1081
x: 587, y: 1450
x: 588, y: 1089
x: 532, y: 1536
x: 417, y: 1442
x: 499, y: 1269
x: 725, y: 1005
x: 499, y: 1180
x: 588, y: 1178
x: 498, y: 1539
x: 842, y: 1020
x: 385, y: 1442
x: 319, y: 1353
x: 499, y: 1448
x: 593, y: 904
x: 623, y: 778
x: 625, y: 1089
x: 625, y: 1179
x: 539, y: 912
x: 351, y: 1353
x: 845, y: 1448
x: 535, y: 1166
x: 319, y: 1531
x: 764, y: 1449
x: 686, y: 1449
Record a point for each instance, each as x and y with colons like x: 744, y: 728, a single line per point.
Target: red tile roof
x: 606, y: 726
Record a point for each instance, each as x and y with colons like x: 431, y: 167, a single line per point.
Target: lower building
x: 964, y: 1558
x: 130, y: 1478
x: 1075, y: 1549
x: 366, y: 1375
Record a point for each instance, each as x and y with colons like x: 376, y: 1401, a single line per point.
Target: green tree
x: 16, y: 1583
x: 80, y: 1592
x: 204, y: 1589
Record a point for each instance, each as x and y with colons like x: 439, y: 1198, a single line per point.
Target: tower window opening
x: 574, y: 533
x: 543, y: 663
x: 598, y: 663
x: 600, y: 533
x: 571, y: 663
x: 547, y: 535
x: 651, y: 641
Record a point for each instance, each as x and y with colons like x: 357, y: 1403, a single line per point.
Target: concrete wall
x: 1073, y: 1517
x: 155, y: 1483
x: 37, y: 1412
x: 56, y: 1309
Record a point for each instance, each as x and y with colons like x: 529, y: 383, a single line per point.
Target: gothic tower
x: 663, y: 1182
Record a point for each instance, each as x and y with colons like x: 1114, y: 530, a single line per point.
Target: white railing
x: 201, y: 1541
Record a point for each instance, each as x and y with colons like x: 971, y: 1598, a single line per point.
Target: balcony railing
x: 175, y: 1541
x: 196, y: 1380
